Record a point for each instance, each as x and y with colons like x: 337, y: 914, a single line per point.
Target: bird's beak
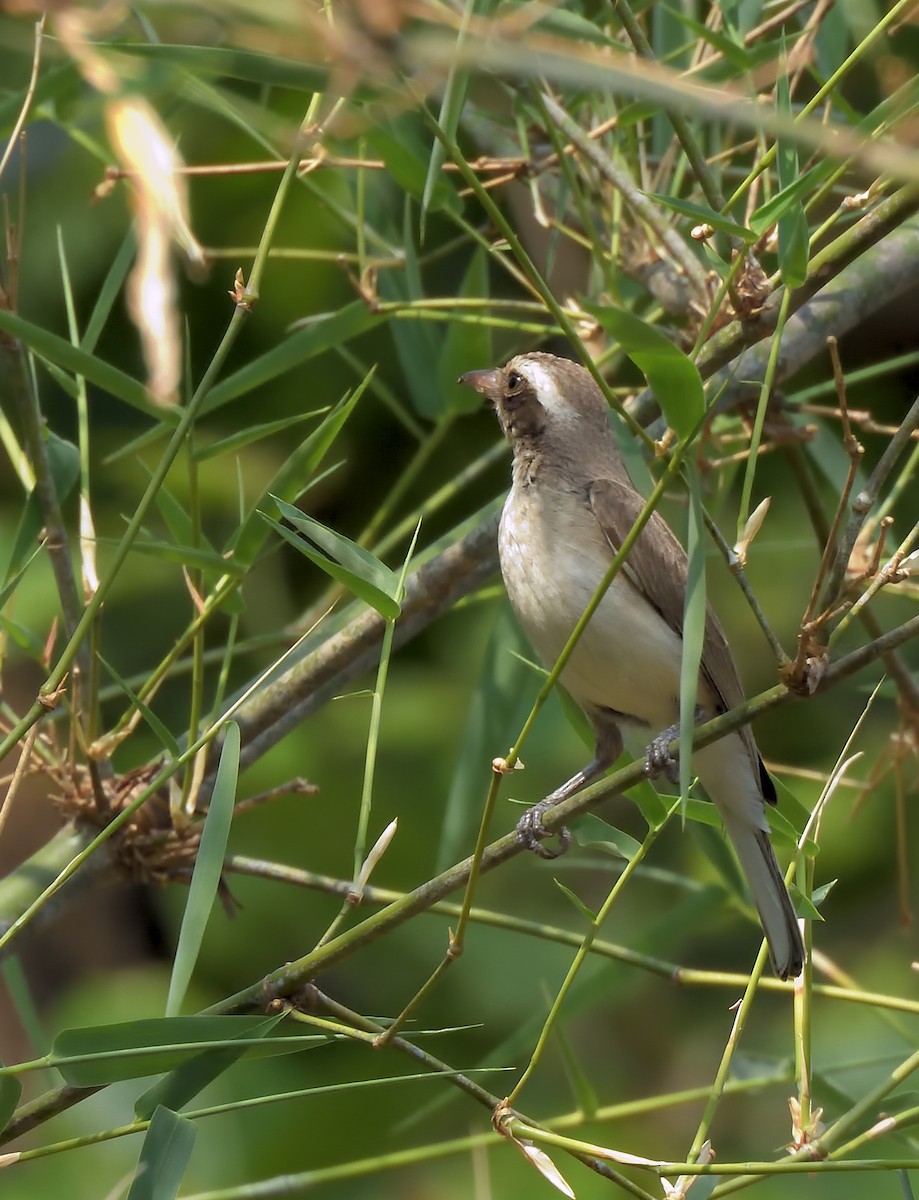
x: 486, y: 383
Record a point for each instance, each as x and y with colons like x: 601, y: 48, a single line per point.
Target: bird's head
x: 539, y: 395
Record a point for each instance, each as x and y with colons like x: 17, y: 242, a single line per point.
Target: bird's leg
x: 530, y: 829
x: 659, y: 760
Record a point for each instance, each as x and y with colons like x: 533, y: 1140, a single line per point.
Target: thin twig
x: 864, y: 501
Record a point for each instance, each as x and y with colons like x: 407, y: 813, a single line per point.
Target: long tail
x: 770, y: 895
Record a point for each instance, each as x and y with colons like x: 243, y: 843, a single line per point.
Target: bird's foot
x: 658, y: 759
x: 531, y: 832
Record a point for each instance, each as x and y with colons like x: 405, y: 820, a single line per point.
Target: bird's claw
x: 531, y: 832
x: 659, y: 760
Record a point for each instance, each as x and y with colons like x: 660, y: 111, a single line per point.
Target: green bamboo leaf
x: 704, y: 215
x: 767, y: 214
x: 10, y: 1091
x: 180, y: 1086
x: 109, y: 292
x: 804, y: 906
x: 178, y: 521
x: 164, y: 1157
x: 163, y: 735
x: 352, y: 565
x: 64, y: 464
x: 732, y: 49
x: 674, y: 379
x: 228, y: 62
x: 47, y: 345
x: 253, y: 433
x: 24, y: 638
x: 588, y: 914
x: 451, y: 108
x: 417, y: 344
x: 297, y: 473
x: 309, y: 338
x: 194, y: 557
x: 102, y: 1054
x: 407, y: 159
x: 590, y: 830
x: 12, y: 582
x: 497, y: 709
x: 694, y: 614
x: 205, y: 879
x: 793, y: 234
x: 584, y: 1094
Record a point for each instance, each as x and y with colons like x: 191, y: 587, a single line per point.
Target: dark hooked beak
x: 486, y: 383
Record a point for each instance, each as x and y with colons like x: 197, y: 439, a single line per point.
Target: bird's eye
x: 514, y: 380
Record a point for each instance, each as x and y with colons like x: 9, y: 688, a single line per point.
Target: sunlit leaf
x: 344, y: 560
x: 674, y: 379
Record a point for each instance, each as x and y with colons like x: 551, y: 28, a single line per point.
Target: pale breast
x: 553, y: 555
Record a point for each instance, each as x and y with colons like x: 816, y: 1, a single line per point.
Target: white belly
x: 553, y: 556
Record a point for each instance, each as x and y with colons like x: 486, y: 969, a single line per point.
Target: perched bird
x: 570, y: 507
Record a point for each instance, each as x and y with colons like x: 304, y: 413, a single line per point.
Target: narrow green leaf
x: 417, y: 345
x: 704, y: 215
x: 793, y: 235
x: 205, y: 879
x: 163, y: 735
x: 108, y: 293
x: 186, y: 1081
x: 10, y: 1091
x: 821, y: 893
x: 590, y: 830
x: 589, y: 915
x: 64, y: 462
x: 193, y: 557
x: 24, y: 638
x: 804, y: 906
x: 767, y: 214
x: 674, y: 379
x: 351, y: 556
x: 179, y: 522
x: 228, y: 62
x: 164, y: 1157
x: 309, y: 338
x: 10, y: 584
x: 497, y: 709
x: 253, y: 433
x: 407, y: 158
x: 102, y: 1054
x: 369, y: 592
x: 584, y: 1093
x: 46, y: 344
x: 732, y: 49
x: 451, y: 108
x: 694, y: 614
x: 297, y: 472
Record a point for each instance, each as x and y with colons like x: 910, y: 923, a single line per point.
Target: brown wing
x: 657, y: 565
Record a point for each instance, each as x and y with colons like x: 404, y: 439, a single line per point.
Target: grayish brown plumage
x: 571, y: 505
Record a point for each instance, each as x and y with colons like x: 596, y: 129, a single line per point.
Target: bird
x: 569, y: 509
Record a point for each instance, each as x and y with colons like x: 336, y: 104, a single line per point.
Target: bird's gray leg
x: 659, y: 760
x: 530, y: 829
